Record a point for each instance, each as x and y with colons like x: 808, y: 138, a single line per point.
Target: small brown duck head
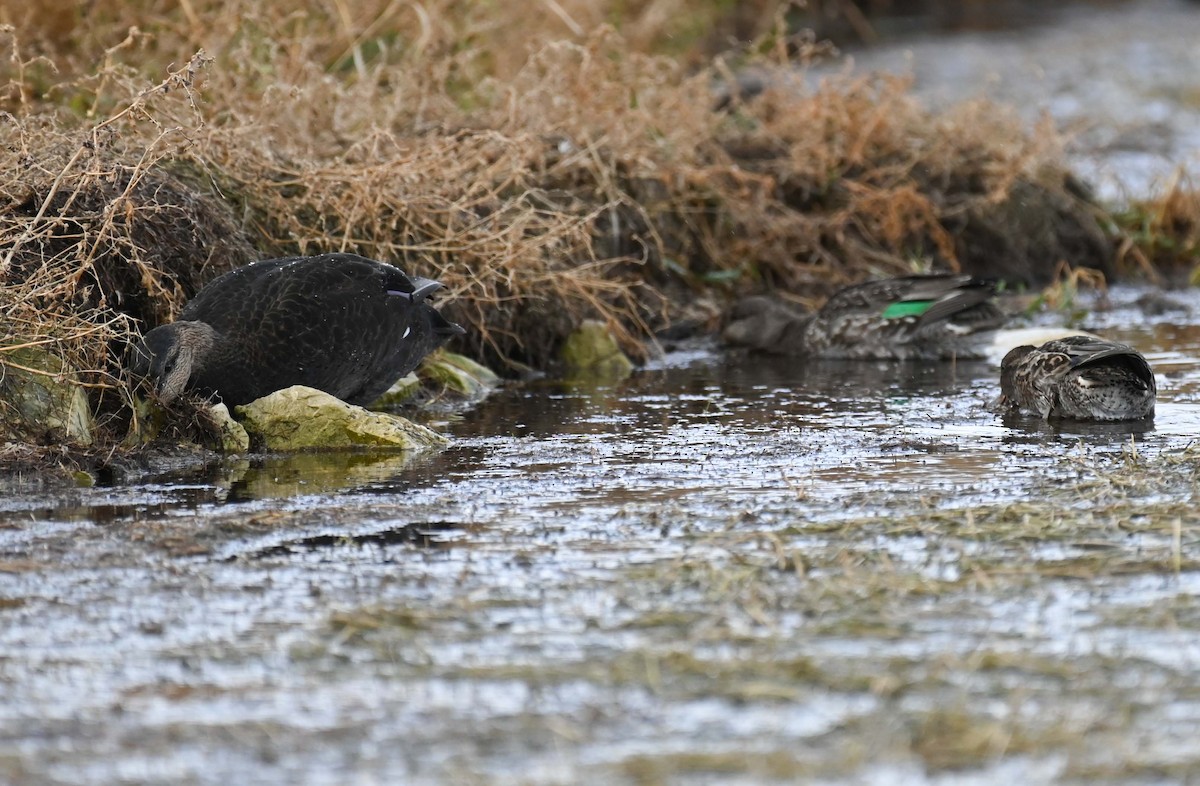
x: 763, y: 323
x: 1008, y: 376
x: 174, y: 353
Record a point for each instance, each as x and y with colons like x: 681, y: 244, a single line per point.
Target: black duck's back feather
x: 338, y: 322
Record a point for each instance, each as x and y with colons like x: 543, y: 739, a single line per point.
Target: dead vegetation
x: 547, y: 168
x: 1161, y: 235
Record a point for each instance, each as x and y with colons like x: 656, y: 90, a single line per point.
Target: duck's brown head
x: 174, y: 352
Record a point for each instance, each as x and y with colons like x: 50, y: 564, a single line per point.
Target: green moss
x: 591, y: 352
x: 40, y: 395
x: 457, y: 374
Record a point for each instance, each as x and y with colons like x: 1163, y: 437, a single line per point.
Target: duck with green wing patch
x: 940, y: 317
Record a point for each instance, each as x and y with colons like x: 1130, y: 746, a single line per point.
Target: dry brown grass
x: 1161, y: 235
x: 537, y: 162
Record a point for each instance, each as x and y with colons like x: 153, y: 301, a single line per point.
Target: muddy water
x: 726, y: 569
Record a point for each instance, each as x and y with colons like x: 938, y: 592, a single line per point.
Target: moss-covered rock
x: 401, y: 392
x: 592, y: 352
x: 145, y: 423
x: 459, y: 375
x: 440, y: 374
x: 38, y: 400
x: 231, y: 435
x: 302, y: 418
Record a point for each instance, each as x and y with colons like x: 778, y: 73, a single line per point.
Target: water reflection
x: 430, y: 534
x: 1123, y: 430
x: 314, y: 473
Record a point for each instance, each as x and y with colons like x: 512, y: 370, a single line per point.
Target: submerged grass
x: 546, y: 167
x: 889, y: 665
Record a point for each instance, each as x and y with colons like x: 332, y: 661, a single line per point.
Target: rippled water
x: 698, y: 424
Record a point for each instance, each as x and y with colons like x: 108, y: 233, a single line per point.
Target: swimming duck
x: 910, y: 318
x: 341, y: 323
x: 1077, y: 378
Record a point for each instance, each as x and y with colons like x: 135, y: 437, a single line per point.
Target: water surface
x: 726, y: 564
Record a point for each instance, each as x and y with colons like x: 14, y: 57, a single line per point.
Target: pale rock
x: 231, y: 435
x: 302, y: 418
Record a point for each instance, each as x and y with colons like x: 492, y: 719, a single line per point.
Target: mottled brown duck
x: 1077, y: 378
x: 911, y: 318
x: 341, y: 323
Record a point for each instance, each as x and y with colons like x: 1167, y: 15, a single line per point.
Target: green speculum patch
x: 907, y: 308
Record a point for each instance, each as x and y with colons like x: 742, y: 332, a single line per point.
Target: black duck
x: 1077, y: 378
x: 910, y: 318
x: 341, y: 323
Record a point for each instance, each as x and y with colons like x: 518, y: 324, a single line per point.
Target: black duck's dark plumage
x: 1077, y: 378
x: 910, y: 318
x: 341, y: 323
